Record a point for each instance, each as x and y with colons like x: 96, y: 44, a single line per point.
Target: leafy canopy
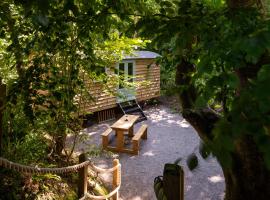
x: 229, y: 50
x: 48, y: 47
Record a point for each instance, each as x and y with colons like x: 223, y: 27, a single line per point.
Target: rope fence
x: 36, y: 170
x: 82, y: 168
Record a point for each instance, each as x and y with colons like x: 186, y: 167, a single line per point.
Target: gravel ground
x: 169, y: 137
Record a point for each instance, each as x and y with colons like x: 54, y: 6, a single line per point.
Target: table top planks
x: 125, y: 122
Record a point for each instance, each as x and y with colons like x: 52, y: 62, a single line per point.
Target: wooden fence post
x: 173, y: 181
x: 2, y: 101
x: 82, y: 182
x: 182, y: 189
x: 116, y: 178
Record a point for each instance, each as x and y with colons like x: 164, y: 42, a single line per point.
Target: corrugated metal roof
x: 142, y: 54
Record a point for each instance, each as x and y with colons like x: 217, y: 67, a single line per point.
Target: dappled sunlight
x: 183, y: 123
x: 133, y: 157
x: 204, y: 193
x: 171, y: 121
x: 155, y: 141
x: 149, y: 153
x: 169, y: 136
x: 188, y: 187
x: 216, y: 179
x: 203, y: 196
x: 159, y: 115
x: 92, y: 133
x: 155, y: 117
x: 137, y: 198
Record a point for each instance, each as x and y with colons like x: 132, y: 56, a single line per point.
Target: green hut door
x: 126, y: 71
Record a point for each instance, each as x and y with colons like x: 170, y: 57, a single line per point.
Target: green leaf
x: 43, y: 20
x: 224, y: 159
x: 169, y: 10
x: 160, y: 194
x: 232, y: 80
x: 192, y: 161
x: 204, y: 150
x: 227, y: 142
x: 166, y: 4
x: 201, y: 101
x: 264, y: 73
x: 204, y: 65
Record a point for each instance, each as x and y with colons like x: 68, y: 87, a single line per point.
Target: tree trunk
x: 248, y: 178
x: 187, y: 95
x: 59, y: 144
x: 2, y: 101
x: 235, y: 4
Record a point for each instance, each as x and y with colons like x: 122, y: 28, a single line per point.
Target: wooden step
x: 131, y: 110
x: 132, y: 107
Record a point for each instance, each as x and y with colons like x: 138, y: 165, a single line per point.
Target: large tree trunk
x: 248, y: 178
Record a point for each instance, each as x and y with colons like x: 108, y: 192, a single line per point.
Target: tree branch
x: 203, y: 120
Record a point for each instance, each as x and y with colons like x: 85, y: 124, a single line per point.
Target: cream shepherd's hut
x: 141, y: 66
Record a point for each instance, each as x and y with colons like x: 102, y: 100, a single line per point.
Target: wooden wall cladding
x: 147, y: 73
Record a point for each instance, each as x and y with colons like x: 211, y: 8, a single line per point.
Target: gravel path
x: 169, y: 137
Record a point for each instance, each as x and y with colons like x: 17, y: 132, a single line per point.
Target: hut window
x: 121, y: 69
x: 125, y: 71
x: 130, y: 72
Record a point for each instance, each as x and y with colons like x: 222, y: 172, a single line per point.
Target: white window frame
x: 126, y: 68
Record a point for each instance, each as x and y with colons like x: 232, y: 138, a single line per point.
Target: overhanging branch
x: 203, y: 120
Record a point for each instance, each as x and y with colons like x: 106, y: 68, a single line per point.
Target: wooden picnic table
x: 124, y: 124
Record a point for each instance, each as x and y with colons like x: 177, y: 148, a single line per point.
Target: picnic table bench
x: 124, y: 124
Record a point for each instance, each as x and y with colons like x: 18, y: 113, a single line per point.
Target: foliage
x: 10, y: 184
x: 6, y: 73
x: 192, y: 161
x: 167, y: 74
x: 29, y: 150
x: 230, y: 52
x: 48, y: 48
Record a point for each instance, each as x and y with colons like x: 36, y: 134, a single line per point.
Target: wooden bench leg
x: 105, y: 141
x: 144, y: 136
x: 136, y: 147
x: 119, y: 140
x: 131, y: 131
